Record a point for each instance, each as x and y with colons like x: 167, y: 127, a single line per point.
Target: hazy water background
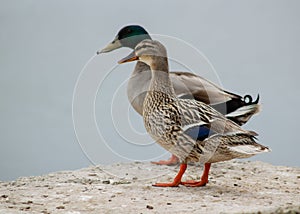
x: 253, y: 45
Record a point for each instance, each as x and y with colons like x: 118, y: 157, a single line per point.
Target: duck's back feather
x: 191, y: 86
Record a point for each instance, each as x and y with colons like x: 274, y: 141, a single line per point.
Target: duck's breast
x: 138, y: 86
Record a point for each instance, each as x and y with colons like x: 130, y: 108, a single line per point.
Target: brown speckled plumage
x: 167, y: 118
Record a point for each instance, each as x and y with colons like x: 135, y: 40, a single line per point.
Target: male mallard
x: 190, y: 129
x: 186, y: 85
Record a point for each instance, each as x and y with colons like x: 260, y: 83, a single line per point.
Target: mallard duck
x: 186, y: 85
x: 190, y: 129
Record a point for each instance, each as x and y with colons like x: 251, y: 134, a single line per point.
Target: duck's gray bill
x: 131, y: 57
x: 115, y: 44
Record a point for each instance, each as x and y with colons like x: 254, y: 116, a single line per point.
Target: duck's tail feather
x: 246, y: 109
x: 235, y: 145
x: 246, y: 144
x: 244, y: 113
x: 250, y: 149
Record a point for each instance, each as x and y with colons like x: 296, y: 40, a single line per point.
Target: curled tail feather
x: 245, y: 111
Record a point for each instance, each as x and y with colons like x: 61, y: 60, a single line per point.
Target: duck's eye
x: 129, y: 30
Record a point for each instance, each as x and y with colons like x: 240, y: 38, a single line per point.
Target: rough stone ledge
x: 234, y: 187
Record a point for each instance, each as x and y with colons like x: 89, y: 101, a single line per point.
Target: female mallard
x: 186, y: 85
x: 190, y: 129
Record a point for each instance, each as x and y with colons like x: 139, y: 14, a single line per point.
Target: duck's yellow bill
x: 131, y: 57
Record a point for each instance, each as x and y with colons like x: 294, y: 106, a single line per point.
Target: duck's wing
x: 190, y: 86
x: 198, y: 129
x: 214, y: 147
x: 199, y: 132
x: 199, y: 116
x: 215, y: 137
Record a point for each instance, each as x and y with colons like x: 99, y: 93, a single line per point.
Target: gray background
x: 253, y: 45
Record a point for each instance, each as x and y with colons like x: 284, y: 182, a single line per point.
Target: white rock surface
x: 234, y: 187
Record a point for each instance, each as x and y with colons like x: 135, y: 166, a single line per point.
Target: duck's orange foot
x: 193, y: 183
x: 202, y: 182
x: 173, y: 184
x: 177, y: 179
x: 172, y: 161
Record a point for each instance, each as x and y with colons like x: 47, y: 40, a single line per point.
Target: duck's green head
x: 129, y: 36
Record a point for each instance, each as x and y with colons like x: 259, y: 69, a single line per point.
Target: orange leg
x: 172, y: 161
x: 203, y: 181
x: 177, y: 179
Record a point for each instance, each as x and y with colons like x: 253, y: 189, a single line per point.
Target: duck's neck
x: 160, y: 81
x: 140, y: 67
